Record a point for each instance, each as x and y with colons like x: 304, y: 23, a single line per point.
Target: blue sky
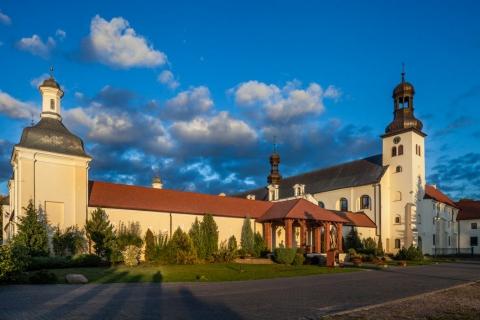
x: 196, y: 91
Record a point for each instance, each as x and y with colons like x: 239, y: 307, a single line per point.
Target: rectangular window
x: 434, y: 240
x: 397, y: 243
x: 474, y: 225
x: 473, y: 241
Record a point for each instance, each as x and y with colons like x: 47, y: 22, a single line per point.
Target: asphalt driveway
x: 287, y: 298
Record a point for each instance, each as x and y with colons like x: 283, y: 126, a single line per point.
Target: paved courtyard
x: 287, y: 298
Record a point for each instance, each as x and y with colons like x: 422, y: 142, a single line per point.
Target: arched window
x: 400, y: 149
x: 321, y: 204
x: 394, y: 151
x: 398, y: 169
x: 343, y: 204
x: 418, y: 150
x: 52, y: 104
x: 364, y: 202
x: 398, y: 220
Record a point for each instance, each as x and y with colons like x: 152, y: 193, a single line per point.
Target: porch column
x: 317, y: 239
x: 288, y: 233
x: 339, y: 237
x: 303, y: 230
x: 267, y: 231
x: 327, y: 236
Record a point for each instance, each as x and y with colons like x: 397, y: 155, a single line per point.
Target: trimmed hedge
x: 284, y: 255
x: 43, y: 277
x: 78, y: 261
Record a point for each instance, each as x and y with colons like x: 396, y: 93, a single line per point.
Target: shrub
x: 379, y: 251
x: 247, y: 237
x: 32, y: 232
x: 14, y: 259
x: 232, y: 244
x: 369, y: 246
x: 259, y: 247
x: 352, y: 252
x: 128, y: 235
x: 410, y: 254
x: 69, y: 242
x: 353, y: 240
x: 284, y: 255
x: 149, y: 246
x: 100, y: 231
x: 38, y: 263
x: 209, y: 231
x: 87, y: 260
x: 131, y: 255
x: 224, y: 253
x: 195, y: 234
x: 180, y: 249
x: 298, y: 260
x: 43, y: 277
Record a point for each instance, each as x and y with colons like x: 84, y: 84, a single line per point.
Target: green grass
x: 198, y: 272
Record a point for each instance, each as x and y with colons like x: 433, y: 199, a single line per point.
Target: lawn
x: 198, y: 272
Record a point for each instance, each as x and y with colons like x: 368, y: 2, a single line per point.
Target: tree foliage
x: 14, y: 260
x: 247, y: 237
x: 209, y: 231
x: 232, y: 244
x: 180, y: 248
x: 128, y: 235
x: 195, y: 234
x: 32, y: 232
x: 99, y: 230
x: 149, y: 246
x: 259, y: 247
x: 353, y: 241
x: 69, y: 242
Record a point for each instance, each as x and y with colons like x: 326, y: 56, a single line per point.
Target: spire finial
x: 51, y: 72
x: 403, y: 72
x: 274, y: 144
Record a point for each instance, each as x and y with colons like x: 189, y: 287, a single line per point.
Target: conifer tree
x: 149, y: 246
x: 32, y: 232
x: 195, y: 234
x: 99, y: 230
x: 209, y: 232
x: 1, y: 220
x: 246, y: 240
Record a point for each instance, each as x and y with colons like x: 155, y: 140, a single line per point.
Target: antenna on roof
x: 51, y: 71
x: 403, y: 72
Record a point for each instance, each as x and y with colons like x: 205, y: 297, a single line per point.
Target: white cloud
x: 36, y: 46
x: 166, y: 77
x: 287, y: 103
x: 4, y: 19
x: 189, y: 103
x: 36, y: 82
x: 60, y: 34
x: 218, y: 130
x: 116, y: 44
x: 14, y: 108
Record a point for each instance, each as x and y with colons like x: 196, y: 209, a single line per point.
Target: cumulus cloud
x: 14, y: 108
x: 220, y: 130
x: 36, y: 46
x: 116, y: 44
x: 167, y: 78
x: 4, y: 19
x: 36, y: 82
x: 60, y: 34
x: 284, y: 104
x: 188, y: 104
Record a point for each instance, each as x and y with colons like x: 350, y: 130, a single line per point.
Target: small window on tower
x: 398, y: 169
x: 396, y: 140
x: 394, y: 151
x: 400, y: 149
x: 321, y: 204
x: 52, y: 104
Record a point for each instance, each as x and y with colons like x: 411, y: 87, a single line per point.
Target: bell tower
x: 274, y: 177
x: 52, y: 94
x: 404, y: 154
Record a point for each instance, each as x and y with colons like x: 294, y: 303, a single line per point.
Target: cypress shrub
x: 232, y: 244
x: 284, y: 255
x: 209, y: 235
x: 99, y: 230
x: 247, y: 237
x: 259, y: 247
x: 149, y: 246
x: 181, y: 249
x: 195, y: 234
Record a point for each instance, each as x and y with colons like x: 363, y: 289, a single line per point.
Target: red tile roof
x: 469, y: 209
x: 119, y: 196
x: 299, y: 209
x: 433, y: 193
x: 358, y: 219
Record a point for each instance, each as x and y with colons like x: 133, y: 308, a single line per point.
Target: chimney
x: 157, y: 183
x: 222, y: 194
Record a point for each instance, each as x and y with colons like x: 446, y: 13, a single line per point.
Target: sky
x: 196, y: 91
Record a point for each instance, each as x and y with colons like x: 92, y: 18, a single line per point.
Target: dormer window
x: 251, y: 197
x: 299, y: 190
x: 52, y: 104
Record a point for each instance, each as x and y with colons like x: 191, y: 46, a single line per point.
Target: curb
x: 426, y: 294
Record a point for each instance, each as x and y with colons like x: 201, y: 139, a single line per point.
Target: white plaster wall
x: 466, y: 232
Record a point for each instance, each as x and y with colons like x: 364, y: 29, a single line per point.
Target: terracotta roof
x: 299, y: 209
x: 358, y: 219
x: 351, y: 174
x: 469, y: 209
x: 119, y: 196
x: 433, y: 193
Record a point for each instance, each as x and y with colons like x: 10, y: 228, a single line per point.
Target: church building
x: 384, y: 196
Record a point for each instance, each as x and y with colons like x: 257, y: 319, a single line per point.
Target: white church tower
x: 50, y: 167
x: 404, y: 153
